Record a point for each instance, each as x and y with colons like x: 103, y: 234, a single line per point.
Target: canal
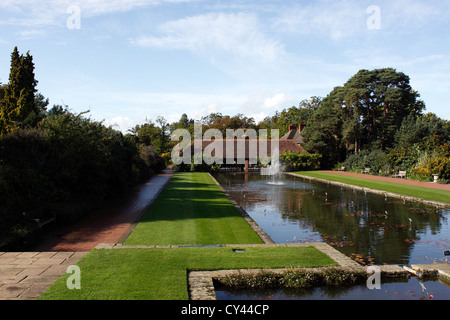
x: 370, y: 228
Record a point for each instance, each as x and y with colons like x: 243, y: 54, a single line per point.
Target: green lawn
x: 414, y: 191
x: 161, y: 274
x: 192, y: 210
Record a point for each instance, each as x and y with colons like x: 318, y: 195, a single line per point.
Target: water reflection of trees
x: 358, y: 222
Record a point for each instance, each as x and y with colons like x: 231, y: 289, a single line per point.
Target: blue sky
x: 131, y: 60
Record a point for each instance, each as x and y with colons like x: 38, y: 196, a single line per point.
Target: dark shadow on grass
x: 183, y: 199
x: 203, y: 204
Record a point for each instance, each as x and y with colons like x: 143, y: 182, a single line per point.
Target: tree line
x: 376, y: 120
x: 56, y: 164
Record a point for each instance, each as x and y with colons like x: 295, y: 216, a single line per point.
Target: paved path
x: 395, y: 180
x: 26, y: 275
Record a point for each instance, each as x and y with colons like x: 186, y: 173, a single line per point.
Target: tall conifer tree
x: 18, y: 107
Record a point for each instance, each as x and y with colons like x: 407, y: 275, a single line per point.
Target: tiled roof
x: 294, y: 135
x: 284, y: 145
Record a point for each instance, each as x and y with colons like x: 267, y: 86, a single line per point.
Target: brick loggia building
x: 240, y: 153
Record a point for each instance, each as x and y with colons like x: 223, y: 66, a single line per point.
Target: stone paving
x: 26, y: 275
x: 441, y: 269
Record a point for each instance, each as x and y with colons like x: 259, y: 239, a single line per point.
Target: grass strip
x: 161, y: 273
x: 407, y: 190
x: 192, y: 210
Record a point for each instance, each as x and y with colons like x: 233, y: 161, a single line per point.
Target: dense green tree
x: 381, y: 98
x: 422, y: 130
x: 296, y: 115
x: 2, y: 91
x: 293, y: 115
x: 211, y: 118
x: 41, y: 103
x: 183, y: 123
x: 151, y: 134
x: 269, y: 123
x: 323, y: 134
x: 366, y: 112
x: 164, y: 134
x: 18, y: 107
x: 222, y: 123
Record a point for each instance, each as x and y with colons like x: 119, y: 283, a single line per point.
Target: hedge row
x: 63, y: 169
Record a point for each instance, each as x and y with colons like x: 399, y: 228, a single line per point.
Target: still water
x: 365, y: 226
x: 370, y: 228
x: 407, y: 290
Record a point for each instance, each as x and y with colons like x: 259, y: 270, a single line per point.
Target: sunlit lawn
x: 192, y: 210
x: 161, y: 274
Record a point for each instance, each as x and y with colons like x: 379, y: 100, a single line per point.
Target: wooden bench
x: 365, y: 171
x: 401, y: 175
x: 43, y: 222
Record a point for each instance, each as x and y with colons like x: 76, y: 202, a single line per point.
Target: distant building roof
x: 283, y: 145
x: 294, y: 135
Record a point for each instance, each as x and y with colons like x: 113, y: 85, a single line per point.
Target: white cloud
x: 276, y: 101
x: 122, y: 123
x: 212, y: 34
x: 259, y: 104
x: 258, y: 117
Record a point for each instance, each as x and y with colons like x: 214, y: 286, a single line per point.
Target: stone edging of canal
x: 385, y: 193
x: 201, y: 283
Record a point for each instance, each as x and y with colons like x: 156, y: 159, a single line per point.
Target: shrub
x: 65, y: 168
x: 441, y: 166
x: 401, y: 159
x: 428, y: 165
x: 376, y: 160
x: 24, y: 182
x: 300, y: 278
x: 339, y: 277
x: 262, y: 279
x: 198, y: 167
x: 294, y: 161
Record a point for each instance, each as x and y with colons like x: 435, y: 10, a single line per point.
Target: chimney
x: 301, y: 126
